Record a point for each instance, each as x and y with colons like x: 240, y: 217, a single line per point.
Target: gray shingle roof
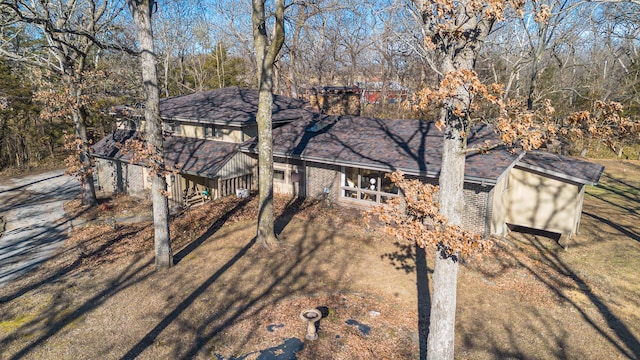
x: 189, y: 155
x: 229, y: 106
x: 564, y: 167
x: 413, y: 146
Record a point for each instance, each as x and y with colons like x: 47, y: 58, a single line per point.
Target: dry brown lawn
x: 229, y: 298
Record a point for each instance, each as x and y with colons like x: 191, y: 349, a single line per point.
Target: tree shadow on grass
x: 210, y: 231
x: 620, y: 205
x: 551, y: 274
x: 620, y: 228
x: 249, y: 283
x: 292, y: 208
x: 285, y: 351
x: 620, y: 187
x: 148, y: 340
x: 199, y: 315
x: 284, y: 277
x: 67, y: 268
x: 61, y: 315
x: 617, y: 194
x: 413, y: 259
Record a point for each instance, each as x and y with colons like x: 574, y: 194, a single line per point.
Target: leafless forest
x: 67, y: 62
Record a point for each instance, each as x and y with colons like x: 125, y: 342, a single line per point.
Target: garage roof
x: 564, y: 167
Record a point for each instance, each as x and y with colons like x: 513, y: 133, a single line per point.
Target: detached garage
x: 545, y: 191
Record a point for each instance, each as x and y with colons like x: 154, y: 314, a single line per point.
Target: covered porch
x: 198, y: 170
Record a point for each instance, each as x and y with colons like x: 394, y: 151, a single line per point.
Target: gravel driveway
x: 31, y: 207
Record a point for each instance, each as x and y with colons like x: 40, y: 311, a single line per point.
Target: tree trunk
x: 441, y: 340
x: 440, y: 343
x: 166, y: 63
x: 80, y: 126
x: 266, y: 233
x: 141, y: 11
x: 533, y: 84
x: 292, y: 74
x: 265, y: 57
x: 275, y: 78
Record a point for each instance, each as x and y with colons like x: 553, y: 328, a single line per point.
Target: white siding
x: 541, y: 202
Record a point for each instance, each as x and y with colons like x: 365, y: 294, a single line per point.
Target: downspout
x: 489, y: 213
x: 306, y: 178
x: 579, y: 210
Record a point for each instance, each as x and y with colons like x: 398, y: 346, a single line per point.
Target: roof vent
x: 317, y: 127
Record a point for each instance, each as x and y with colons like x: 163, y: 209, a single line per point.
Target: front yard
x: 228, y: 298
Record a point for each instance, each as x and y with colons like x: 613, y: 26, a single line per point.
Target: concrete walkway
x: 31, y: 207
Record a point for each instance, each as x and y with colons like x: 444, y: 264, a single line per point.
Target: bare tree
x: 266, y: 51
x: 546, y: 30
x: 355, y: 38
x: 141, y: 11
x: 174, y: 37
x: 64, y: 34
x: 236, y: 30
x: 22, y: 132
x: 308, y: 20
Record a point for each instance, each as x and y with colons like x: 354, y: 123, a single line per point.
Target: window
x: 212, y: 131
x: 278, y: 175
x: 367, y: 185
x: 172, y: 128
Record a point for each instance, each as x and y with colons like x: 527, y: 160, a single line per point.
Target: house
x: 202, y: 134
x: 344, y: 159
x: 377, y: 93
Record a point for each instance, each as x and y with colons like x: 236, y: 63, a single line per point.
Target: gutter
x: 242, y: 124
x: 429, y: 174
x: 186, y: 172
x: 201, y: 122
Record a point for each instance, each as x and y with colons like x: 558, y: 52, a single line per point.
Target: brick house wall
x: 477, y: 211
x: 476, y: 217
x: 320, y: 177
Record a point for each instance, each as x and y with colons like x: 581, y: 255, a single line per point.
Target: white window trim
x: 378, y: 194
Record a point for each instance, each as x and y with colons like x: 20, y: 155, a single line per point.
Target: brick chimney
x: 335, y: 100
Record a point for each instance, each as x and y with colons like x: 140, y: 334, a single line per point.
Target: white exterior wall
x: 542, y: 202
x: 500, y: 203
x: 234, y: 135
